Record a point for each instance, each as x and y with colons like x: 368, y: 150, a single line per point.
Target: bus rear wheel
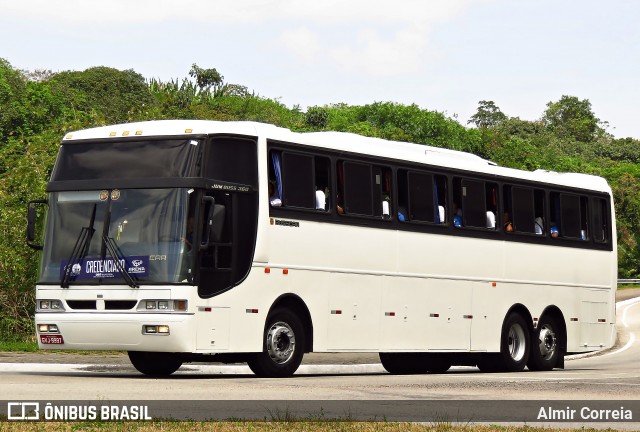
x: 283, y: 346
x: 514, y: 347
x: 515, y: 343
x: 545, y: 345
x: 155, y: 363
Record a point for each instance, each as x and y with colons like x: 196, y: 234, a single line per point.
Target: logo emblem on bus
x: 104, y: 195
x: 115, y: 194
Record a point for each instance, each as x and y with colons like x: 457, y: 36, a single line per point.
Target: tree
x: 488, y: 115
x: 206, y: 79
x: 571, y: 117
x: 107, y: 91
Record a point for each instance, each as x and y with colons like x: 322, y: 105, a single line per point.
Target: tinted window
x: 233, y: 160
x: 298, y: 180
x: 358, y: 189
x: 421, y: 202
x: 599, y: 212
x: 474, y: 213
x: 127, y: 159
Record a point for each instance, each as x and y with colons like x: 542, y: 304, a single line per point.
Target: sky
x: 443, y: 55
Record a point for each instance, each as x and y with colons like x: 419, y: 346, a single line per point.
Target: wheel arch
x: 523, y: 311
x: 296, y: 305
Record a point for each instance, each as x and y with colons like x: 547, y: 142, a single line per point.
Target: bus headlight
x: 163, y: 306
x: 48, y: 328
x: 50, y: 306
x: 155, y: 330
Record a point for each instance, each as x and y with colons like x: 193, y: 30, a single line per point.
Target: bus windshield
x: 117, y: 236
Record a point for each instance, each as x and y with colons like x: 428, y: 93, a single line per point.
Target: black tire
x: 399, y: 363
x: 515, y: 343
x: 546, y: 345
x: 490, y: 363
x: 414, y: 363
x: 436, y: 363
x: 283, y: 346
x: 155, y: 363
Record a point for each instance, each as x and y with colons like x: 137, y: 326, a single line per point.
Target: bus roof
x: 340, y: 141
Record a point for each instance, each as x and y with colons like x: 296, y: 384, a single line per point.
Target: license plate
x: 51, y: 340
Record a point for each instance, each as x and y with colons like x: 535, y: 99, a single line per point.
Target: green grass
x: 18, y: 346
x: 622, y: 287
x: 306, y: 426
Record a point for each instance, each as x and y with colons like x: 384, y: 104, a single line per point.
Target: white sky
x: 444, y: 55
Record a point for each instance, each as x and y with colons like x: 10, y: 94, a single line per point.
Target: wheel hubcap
x: 281, y: 342
x: 547, y: 342
x: 517, y: 342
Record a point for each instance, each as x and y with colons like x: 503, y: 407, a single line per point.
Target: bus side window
x: 364, y: 189
x: 599, y: 220
x: 298, y: 180
x: 491, y: 205
x: 569, y: 216
x: 421, y: 197
x: 474, y: 211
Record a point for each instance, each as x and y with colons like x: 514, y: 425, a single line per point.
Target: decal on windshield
x: 92, y: 268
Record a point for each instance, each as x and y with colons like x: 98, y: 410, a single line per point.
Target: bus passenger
x: 386, y: 208
x: 491, y: 220
x: 555, y: 232
x: 321, y: 200
x: 339, y: 204
x: 539, y: 225
x: 441, y: 214
x: 457, y: 215
x: 507, y: 224
x: 274, y: 199
x: 402, y: 214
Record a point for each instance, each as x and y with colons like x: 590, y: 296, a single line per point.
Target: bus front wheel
x: 155, y: 363
x: 545, y: 346
x: 283, y: 346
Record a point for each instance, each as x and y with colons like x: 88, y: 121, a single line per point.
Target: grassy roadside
x: 337, y: 426
x: 18, y: 346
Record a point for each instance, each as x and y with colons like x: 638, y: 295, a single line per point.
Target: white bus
x: 184, y: 240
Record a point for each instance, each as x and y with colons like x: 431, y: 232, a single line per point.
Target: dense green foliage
x: 37, y: 108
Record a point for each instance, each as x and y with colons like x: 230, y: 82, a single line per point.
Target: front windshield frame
x: 151, y: 230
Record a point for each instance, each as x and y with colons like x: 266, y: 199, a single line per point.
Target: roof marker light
x: 112, y: 134
x: 138, y: 132
x: 188, y: 130
x: 125, y: 133
x: 69, y: 136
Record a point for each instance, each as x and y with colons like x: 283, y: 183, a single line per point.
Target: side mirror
x: 214, y: 222
x: 32, y: 220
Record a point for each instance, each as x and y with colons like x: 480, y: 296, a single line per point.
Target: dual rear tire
x: 539, y: 349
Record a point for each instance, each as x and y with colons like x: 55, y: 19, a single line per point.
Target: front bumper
x: 119, y: 331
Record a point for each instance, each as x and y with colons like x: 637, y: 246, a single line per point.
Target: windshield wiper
x: 80, y: 250
x: 116, y: 256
